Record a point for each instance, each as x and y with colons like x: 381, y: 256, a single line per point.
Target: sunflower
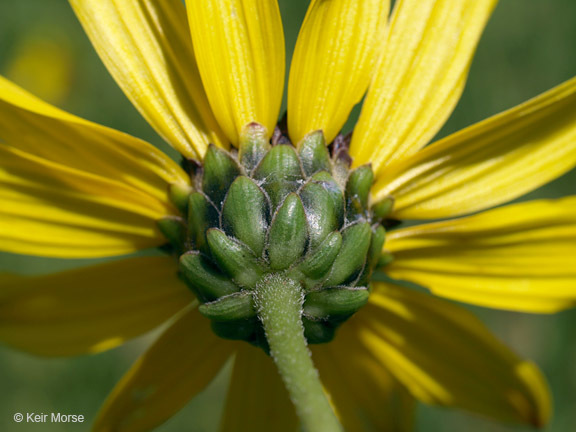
x: 282, y: 239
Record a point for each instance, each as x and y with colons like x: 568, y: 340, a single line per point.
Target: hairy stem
x: 280, y: 301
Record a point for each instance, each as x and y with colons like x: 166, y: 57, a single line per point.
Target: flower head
x: 286, y: 234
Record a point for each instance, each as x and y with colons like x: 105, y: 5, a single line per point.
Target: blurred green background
x: 528, y: 47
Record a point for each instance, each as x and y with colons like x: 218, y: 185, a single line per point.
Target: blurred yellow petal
x: 89, y: 309
x: 489, y: 163
x: 333, y: 62
x: 445, y: 356
x: 52, y: 55
x: 420, y: 77
x: 49, y: 209
x: 182, y: 362
x: 146, y: 46
x: 365, y: 395
x: 239, y: 46
x: 43, y: 130
x: 520, y: 257
x: 257, y: 397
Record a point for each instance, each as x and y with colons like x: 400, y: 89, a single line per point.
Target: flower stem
x: 280, y: 302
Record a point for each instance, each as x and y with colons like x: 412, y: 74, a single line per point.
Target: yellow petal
x: 365, y: 395
x: 520, y: 257
x: 257, y: 399
x: 420, y: 77
x: 89, y: 309
x: 41, y: 129
x: 52, y: 55
x: 445, y: 356
x: 333, y: 63
x: 49, y: 209
x: 489, y: 163
x: 146, y: 47
x: 239, y: 46
x: 182, y: 362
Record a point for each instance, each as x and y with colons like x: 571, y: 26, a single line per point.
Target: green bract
x: 276, y: 208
